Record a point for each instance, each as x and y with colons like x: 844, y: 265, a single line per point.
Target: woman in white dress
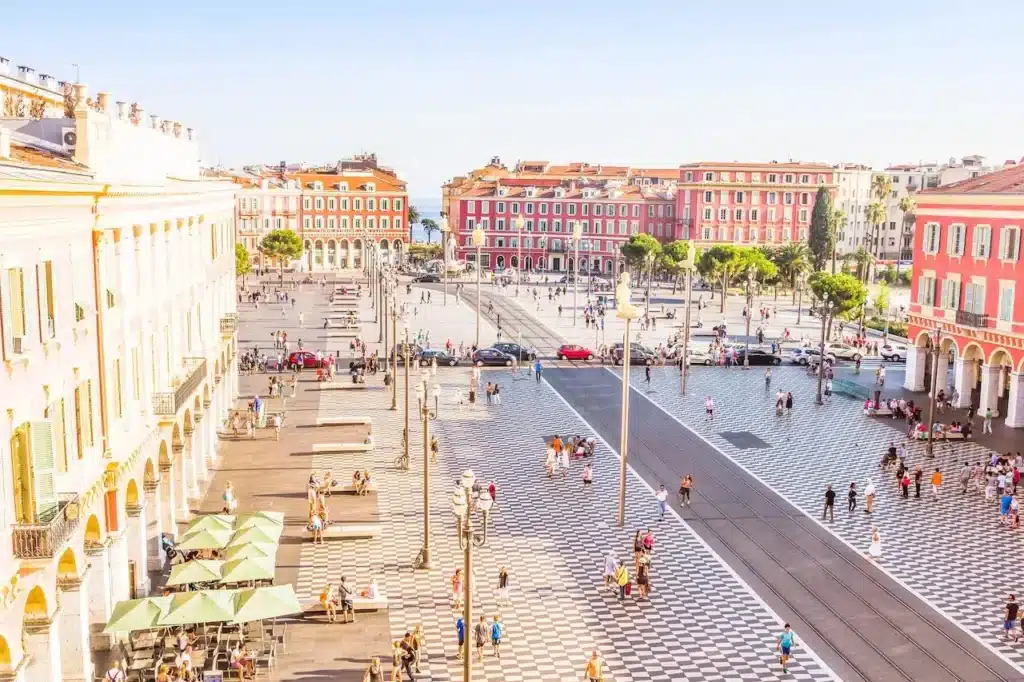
x: 563, y: 461
x: 875, y: 549
x: 550, y: 461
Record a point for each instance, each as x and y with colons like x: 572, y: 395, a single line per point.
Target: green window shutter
x: 44, y: 467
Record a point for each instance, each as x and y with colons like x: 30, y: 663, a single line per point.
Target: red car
x: 571, y: 351
x: 304, y: 358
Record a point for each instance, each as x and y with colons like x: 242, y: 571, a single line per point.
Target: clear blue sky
x: 436, y: 88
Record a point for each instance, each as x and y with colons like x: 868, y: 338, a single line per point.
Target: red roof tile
x: 1006, y: 181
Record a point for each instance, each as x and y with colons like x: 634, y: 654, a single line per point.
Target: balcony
x: 285, y: 212
x: 43, y: 540
x: 558, y: 248
x: 969, y: 319
x: 248, y: 212
x: 167, y: 403
x: 229, y: 324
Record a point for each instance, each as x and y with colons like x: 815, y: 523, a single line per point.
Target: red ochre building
x: 966, y: 273
x: 708, y: 202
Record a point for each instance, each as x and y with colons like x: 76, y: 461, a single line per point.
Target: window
x: 803, y: 215
x: 974, y: 298
x: 15, y: 321
x: 383, y: 204
x: 344, y: 204
x: 771, y: 215
x: 930, y: 242
x: 950, y: 294
x: 610, y: 209
x: 384, y: 222
x: 689, y: 176
x: 1006, y: 303
x: 737, y: 234
x: 319, y: 203
x: 485, y: 206
x: 544, y: 226
x: 670, y: 209
x: 708, y: 197
x: 636, y: 210
x: 926, y: 290
x: 723, y: 177
x: 753, y: 234
x: 622, y: 227
x: 707, y: 213
x: 371, y: 205
x: 332, y: 223
x: 955, y: 239
x: 787, y: 198
x: 499, y: 224
x: 709, y: 177
x: 805, y: 199
x: 650, y: 210
x: 773, y: 178
x: 773, y: 198
x: 821, y: 179
x: 723, y: 196
x: 572, y: 209
x: 397, y: 223
x: 136, y: 372
x: 47, y: 310
x: 755, y: 177
x: 1009, y: 243
x: 740, y: 197
x: 307, y: 222
x: 585, y: 209
x: 623, y: 210
x: 319, y: 223
x: 357, y: 204
x: 597, y: 227
x: 543, y: 209
x: 723, y: 214
x: 738, y: 215
x: 788, y: 179
x: 707, y: 234
x: 515, y: 207
x: 982, y: 241
x: 529, y: 207
x: 306, y: 203
x: 787, y: 234
x: 500, y: 207
x: 556, y: 209
x: 770, y: 234
x: 598, y: 209
x: 754, y: 215
x: 398, y: 204
x: 805, y: 179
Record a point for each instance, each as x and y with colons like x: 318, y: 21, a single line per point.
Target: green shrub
x: 895, y: 328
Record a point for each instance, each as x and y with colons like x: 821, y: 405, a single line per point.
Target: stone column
x: 99, y: 592
x: 170, y: 485
x: 990, y: 375
x: 184, y: 512
x: 155, y: 527
x: 76, y: 658
x: 942, y: 380
x: 963, y: 381
x: 210, y: 423
x: 1015, y: 403
x: 42, y: 643
x: 138, y: 547
x: 119, y: 583
x: 348, y: 256
x: 199, y: 453
x: 915, y: 370
x: 1004, y: 373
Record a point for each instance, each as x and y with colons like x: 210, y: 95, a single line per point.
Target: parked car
x: 491, y: 357
x: 302, y: 358
x: 442, y: 357
x: 429, y: 277
x: 638, y: 355
x: 573, y: 351
x: 842, y: 351
x: 698, y: 357
x: 567, y: 279
x: 758, y: 356
x: 894, y: 352
x: 516, y: 351
x: 414, y: 351
x: 802, y: 356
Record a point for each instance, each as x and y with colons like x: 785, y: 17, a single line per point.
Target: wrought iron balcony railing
x: 229, y: 324
x: 969, y: 319
x: 45, y: 538
x: 167, y: 403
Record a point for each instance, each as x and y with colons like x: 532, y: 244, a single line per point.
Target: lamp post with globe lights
x: 427, y: 415
x: 577, y: 233
x: 463, y: 504
x: 627, y: 312
x: 478, y: 242
x: 519, y: 223
x: 687, y: 266
x: 444, y: 255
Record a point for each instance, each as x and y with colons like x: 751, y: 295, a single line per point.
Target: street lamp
x: 462, y: 506
x: 405, y: 353
x: 931, y: 400
x: 519, y: 223
x: 799, y: 296
x: 687, y: 268
x: 478, y: 242
x: 624, y: 311
x: 428, y: 415
x: 444, y: 254
x: 392, y: 355
x: 750, y: 284
x: 577, y: 233
x: 826, y: 308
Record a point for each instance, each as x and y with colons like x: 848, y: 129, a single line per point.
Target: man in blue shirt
x: 786, y: 641
x: 460, y: 628
x: 536, y: 368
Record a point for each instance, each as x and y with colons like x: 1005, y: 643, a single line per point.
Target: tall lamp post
x: 478, y: 242
x: 627, y: 312
x: 750, y: 285
x: 799, y: 296
x: 427, y: 416
x: 444, y: 255
x: 519, y: 250
x: 577, y: 233
x: 687, y: 268
x: 393, y: 354
x: 462, y: 505
x: 405, y: 354
x: 826, y: 309
x: 929, y: 450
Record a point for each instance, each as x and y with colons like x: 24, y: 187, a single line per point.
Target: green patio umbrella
x: 260, y: 519
x: 260, y: 603
x: 214, y: 522
x: 137, y: 614
x: 205, y: 606
x: 254, y: 550
x: 244, y: 570
x: 197, y: 571
x: 205, y: 539
x: 266, y: 536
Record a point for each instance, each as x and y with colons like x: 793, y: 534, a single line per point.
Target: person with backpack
x: 497, y: 630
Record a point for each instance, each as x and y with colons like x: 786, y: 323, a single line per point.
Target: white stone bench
x: 352, y: 531
x: 880, y: 412
x: 358, y: 604
x: 350, y: 488
x: 342, y: 447
x: 347, y: 385
x: 343, y: 421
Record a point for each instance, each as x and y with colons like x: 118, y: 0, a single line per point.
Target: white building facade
x: 118, y: 321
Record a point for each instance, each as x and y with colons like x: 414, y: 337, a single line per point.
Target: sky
x: 438, y: 88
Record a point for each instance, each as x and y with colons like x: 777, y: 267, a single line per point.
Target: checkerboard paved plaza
x: 701, y: 623
x: 952, y: 551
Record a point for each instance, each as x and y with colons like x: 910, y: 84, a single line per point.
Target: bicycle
x: 402, y: 462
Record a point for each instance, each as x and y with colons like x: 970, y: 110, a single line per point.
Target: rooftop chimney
x: 27, y: 74
x: 47, y: 81
x: 5, y: 66
x: 122, y: 110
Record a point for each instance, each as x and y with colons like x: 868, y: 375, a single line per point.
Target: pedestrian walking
x: 611, y: 565
x: 563, y: 461
x: 480, y: 633
x: 685, y: 486
x: 851, y: 497
x: 905, y: 484
x: 830, y: 504
x: 918, y: 479
x: 784, y: 646
x: 936, y: 483
x: 875, y: 548
x: 869, y: 496
x: 408, y: 656
x: 537, y: 369
x: 588, y: 475
x: 503, y: 599
x: 621, y: 580
x: 497, y: 630
x: 1010, y: 617
x: 709, y: 408
x: 662, y: 497
x: 594, y: 670
x: 986, y: 425
x: 647, y: 374
x: 460, y: 631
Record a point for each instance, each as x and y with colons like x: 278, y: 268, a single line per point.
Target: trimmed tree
x: 430, y: 227
x: 822, y: 238
x: 413, y: 217
x: 640, y: 252
x: 846, y: 293
x: 243, y: 265
x: 672, y: 256
x: 725, y: 262
x: 282, y: 246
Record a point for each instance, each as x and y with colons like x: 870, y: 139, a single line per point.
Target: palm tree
x: 413, y: 216
x: 838, y: 220
x: 792, y: 260
x: 876, y: 217
x: 908, y: 206
x: 863, y: 259
x: 881, y: 190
